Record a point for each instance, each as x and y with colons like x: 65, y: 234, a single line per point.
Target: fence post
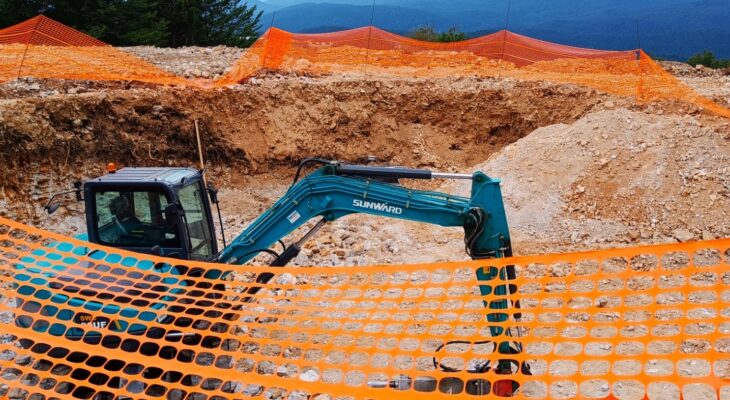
x: 506, y: 30
x: 370, y: 35
x: 30, y: 39
x: 639, y: 56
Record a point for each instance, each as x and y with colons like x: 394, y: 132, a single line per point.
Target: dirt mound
x: 684, y: 70
x: 190, y: 62
x: 711, y: 83
x: 617, y: 177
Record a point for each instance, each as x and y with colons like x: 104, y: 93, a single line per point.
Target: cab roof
x: 170, y: 176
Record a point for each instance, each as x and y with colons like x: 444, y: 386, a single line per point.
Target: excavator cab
x: 162, y: 211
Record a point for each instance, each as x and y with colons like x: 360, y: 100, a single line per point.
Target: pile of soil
x: 711, y: 83
x: 190, y: 62
x: 684, y: 70
x: 617, y: 177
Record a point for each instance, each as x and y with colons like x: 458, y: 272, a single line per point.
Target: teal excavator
x: 168, y: 212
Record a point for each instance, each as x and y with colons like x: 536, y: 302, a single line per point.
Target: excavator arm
x: 337, y: 190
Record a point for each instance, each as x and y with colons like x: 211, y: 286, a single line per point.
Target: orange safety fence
x: 502, y: 54
x: 84, y: 321
x: 658, y: 84
x: 43, y: 48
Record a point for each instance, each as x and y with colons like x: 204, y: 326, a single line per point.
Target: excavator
x: 169, y: 212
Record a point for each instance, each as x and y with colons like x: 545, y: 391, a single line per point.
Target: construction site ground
x: 580, y: 169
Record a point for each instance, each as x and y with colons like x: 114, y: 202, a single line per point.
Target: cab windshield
x: 135, y: 219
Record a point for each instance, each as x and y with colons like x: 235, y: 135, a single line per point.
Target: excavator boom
x: 336, y: 190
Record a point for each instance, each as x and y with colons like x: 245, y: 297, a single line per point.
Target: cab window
x: 191, y: 198
x: 135, y: 219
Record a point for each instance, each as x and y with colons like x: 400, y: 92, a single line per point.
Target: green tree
x: 211, y: 22
x: 146, y: 22
x: 14, y: 11
x: 452, y: 35
x: 429, y: 34
x: 134, y: 22
x: 117, y: 22
x: 424, y: 34
x: 707, y: 58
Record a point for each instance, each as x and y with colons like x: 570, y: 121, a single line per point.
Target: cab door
x: 198, y: 220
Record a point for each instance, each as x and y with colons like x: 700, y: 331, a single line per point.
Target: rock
x: 342, y: 234
x: 358, y: 247
x: 707, y: 235
x: 298, y: 395
x: 634, y: 235
x: 309, y: 376
x: 683, y: 235
x: 285, y: 279
x: 77, y: 123
x: 253, y: 390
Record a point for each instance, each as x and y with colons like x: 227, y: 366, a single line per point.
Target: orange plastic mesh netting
x: 85, y: 321
x: 501, y: 54
x: 43, y: 48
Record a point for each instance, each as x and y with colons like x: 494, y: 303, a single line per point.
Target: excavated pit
x: 54, y: 132
x: 580, y: 169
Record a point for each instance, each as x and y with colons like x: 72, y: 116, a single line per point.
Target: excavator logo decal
x: 377, y: 206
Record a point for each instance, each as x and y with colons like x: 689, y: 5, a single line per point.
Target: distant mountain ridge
x: 673, y: 29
